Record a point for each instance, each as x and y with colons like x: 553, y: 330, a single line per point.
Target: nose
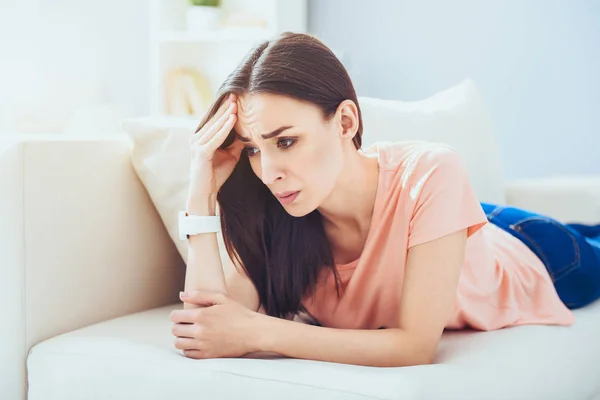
x: 271, y: 170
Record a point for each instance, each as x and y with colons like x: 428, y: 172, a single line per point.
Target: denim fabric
x: 570, y: 252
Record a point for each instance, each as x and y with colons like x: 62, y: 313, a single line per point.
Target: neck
x: 350, y: 205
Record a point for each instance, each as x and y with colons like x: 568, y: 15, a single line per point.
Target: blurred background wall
x: 536, y: 62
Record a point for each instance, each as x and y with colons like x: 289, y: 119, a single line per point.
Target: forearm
x: 204, y: 270
x: 300, y: 318
x: 380, y: 348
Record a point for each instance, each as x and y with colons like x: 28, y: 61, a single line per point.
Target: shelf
x: 213, y: 53
x: 217, y: 36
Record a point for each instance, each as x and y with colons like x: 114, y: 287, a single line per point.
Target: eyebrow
x: 270, y: 135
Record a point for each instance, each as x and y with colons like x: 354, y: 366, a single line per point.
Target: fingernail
x: 182, y: 294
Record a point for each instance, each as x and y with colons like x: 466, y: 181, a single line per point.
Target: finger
x: 197, y: 354
x: 185, y: 343
x: 210, y: 127
x: 185, y: 316
x: 184, y: 330
x: 206, y: 127
x: 218, y: 139
x: 202, y: 297
x: 220, y: 112
x: 216, y: 127
x: 223, y: 107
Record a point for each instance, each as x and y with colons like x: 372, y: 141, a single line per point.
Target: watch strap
x: 196, y: 224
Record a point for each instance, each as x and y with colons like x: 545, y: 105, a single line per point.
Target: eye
x: 283, y: 144
x: 251, y: 151
x: 288, y: 143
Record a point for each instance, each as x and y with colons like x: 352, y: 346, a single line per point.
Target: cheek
x: 325, y: 167
x: 255, y: 165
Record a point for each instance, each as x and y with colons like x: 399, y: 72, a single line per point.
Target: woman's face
x: 291, y: 148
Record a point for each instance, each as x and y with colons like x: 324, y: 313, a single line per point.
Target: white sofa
x: 88, y: 276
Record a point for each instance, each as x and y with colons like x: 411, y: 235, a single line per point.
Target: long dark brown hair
x: 282, y: 255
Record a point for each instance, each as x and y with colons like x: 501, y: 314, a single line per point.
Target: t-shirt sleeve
x: 444, y: 199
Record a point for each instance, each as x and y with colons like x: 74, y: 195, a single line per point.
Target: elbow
x: 427, y: 358
x: 411, y: 353
x: 413, y: 360
x: 426, y: 353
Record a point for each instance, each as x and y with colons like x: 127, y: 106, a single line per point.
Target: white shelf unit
x: 213, y: 53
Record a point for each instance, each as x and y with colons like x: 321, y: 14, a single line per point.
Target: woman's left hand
x: 219, y: 328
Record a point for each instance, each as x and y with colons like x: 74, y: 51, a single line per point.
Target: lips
x: 283, y: 195
x: 287, y: 197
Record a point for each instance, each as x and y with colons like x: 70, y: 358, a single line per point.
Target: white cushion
x: 456, y: 116
x: 133, y: 357
x: 160, y: 156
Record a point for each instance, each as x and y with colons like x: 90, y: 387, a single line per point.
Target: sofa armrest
x: 573, y: 199
x: 80, y: 242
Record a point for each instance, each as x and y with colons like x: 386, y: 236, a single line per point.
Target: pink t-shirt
x: 424, y: 193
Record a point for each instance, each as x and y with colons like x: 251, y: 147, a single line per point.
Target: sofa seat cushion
x: 133, y: 357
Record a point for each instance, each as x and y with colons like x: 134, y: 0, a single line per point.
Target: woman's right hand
x: 210, y: 165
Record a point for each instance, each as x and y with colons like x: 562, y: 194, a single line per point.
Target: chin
x: 297, y: 211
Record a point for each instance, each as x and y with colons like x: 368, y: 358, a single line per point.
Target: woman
x: 382, y: 248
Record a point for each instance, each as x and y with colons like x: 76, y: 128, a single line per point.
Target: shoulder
x: 413, y: 160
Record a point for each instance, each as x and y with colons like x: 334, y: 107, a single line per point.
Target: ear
x: 347, y: 115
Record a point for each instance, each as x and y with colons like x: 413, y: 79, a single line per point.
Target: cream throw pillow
x: 456, y: 116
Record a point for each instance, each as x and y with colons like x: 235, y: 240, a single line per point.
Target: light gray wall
x: 536, y: 62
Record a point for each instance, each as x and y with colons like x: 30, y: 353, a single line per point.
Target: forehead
x: 264, y: 112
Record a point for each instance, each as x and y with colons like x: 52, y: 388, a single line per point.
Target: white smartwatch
x: 195, y: 224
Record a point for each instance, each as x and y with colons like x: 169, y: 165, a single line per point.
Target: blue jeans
x: 570, y: 252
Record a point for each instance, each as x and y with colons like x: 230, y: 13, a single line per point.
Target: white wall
x: 537, y: 63
x: 59, y: 58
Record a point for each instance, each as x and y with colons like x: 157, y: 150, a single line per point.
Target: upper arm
x: 445, y: 211
x: 429, y: 289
